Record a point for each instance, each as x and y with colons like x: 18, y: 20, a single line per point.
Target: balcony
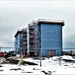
x: 24, y: 32
x: 24, y: 47
x: 24, y: 35
x: 31, y: 41
x: 31, y: 50
x: 31, y: 28
x: 24, y: 43
x: 32, y: 47
x: 31, y: 36
x: 32, y: 32
x: 24, y: 39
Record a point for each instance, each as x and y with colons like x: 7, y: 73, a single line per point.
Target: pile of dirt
x: 15, y: 61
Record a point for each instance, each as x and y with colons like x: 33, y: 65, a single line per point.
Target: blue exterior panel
x: 51, y: 39
x: 18, y: 43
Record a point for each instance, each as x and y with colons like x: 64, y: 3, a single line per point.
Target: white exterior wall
x: 28, y: 40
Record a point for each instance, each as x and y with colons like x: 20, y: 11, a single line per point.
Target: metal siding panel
x: 18, y: 43
x: 51, y: 37
x: 44, y: 52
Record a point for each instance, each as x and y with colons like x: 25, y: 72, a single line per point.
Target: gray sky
x: 17, y: 14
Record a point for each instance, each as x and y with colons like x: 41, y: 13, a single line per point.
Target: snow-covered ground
x: 49, y: 66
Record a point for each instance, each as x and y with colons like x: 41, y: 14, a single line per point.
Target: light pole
x: 60, y: 61
x: 40, y: 57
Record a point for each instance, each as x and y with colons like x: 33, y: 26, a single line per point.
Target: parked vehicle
x: 2, y: 54
x: 10, y: 53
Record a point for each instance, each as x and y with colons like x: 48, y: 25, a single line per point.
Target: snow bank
x: 55, y: 58
x: 67, y: 57
x: 49, y: 67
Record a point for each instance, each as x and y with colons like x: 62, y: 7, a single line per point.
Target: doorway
x: 52, y: 53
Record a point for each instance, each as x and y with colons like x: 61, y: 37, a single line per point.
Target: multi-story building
x: 21, y: 41
x: 43, y: 37
x: 18, y: 41
x: 24, y: 41
x: 50, y: 37
x: 33, y: 39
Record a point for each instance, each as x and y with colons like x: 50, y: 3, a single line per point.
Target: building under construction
x: 42, y: 37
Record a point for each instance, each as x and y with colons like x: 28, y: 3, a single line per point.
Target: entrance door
x: 51, y: 53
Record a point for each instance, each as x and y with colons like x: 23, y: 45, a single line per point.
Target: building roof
x: 50, y: 21
x: 18, y: 31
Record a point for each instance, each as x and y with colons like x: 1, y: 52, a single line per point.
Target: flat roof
x: 18, y: 31
x: 50, y: 21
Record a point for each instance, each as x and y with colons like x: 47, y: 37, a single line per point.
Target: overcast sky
x: 16, y: 15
